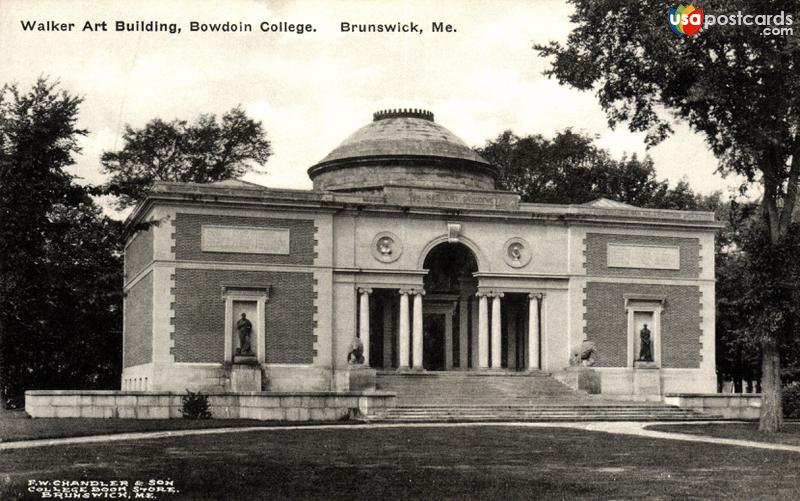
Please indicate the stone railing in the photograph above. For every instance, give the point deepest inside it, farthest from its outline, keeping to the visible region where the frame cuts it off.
(305, 406)
(727, 405)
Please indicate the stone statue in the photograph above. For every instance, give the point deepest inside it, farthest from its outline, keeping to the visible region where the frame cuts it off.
(646, 349)
(583, 355)
(244, 328)
(356, 353)
(515, 251)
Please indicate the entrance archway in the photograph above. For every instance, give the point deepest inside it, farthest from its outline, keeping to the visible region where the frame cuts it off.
(449, 302)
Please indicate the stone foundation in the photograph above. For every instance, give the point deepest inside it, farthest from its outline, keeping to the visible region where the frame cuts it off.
(245, 377)
(581, 379)
(727, 405)
(645, 383)
(309, 406)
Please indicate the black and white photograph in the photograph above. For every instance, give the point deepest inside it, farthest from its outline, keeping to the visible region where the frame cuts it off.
(352, 249)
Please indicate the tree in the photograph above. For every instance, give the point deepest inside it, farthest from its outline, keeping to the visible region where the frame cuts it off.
(205, 151)
(738, 353)
(732, 84)
(60, 270)
(571, 169)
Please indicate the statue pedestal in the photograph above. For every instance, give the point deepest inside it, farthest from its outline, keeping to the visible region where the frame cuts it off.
(245, 374)
(646, 378)
(360, 377)
(581, 378)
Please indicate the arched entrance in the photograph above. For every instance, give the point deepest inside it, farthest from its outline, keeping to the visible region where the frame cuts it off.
(450, 290)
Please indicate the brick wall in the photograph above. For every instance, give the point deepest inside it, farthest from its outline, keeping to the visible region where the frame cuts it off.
(200, 314)
(607, 323)
(188, 235)
(138, 329)
(139, 253)
(597, 259)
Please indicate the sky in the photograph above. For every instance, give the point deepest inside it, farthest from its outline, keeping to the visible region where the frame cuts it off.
(312, 90)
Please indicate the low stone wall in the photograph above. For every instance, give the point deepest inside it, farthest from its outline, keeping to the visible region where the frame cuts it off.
(727, 405)
(310, 406)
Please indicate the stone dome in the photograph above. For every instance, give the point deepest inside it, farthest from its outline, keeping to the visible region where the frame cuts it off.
(402, 147)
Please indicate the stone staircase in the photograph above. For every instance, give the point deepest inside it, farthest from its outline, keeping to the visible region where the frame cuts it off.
(508, 396)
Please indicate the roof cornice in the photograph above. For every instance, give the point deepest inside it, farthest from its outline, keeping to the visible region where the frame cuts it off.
(175, 194)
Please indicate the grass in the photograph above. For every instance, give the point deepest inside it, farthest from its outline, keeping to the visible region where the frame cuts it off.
(16, 428)
(790, 435)
(492, 462)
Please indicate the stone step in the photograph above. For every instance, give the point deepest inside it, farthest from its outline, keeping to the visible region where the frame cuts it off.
(500, 408)
(517, 414)
(534, 414)
(663, 413)
(503, 396)
(535, 409)
(485, 387)
(571, 418)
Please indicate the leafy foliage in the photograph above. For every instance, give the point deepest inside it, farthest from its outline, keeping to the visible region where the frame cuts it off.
(738, 354)
(730, 83)
(60, 261)
(571, 169)
(205, 151)
(791, 401)
(195, 406)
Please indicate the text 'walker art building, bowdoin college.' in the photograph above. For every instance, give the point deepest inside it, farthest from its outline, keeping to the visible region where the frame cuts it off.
(405, 243)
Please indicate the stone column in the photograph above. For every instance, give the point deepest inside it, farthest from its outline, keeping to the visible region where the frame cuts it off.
(533, 331)
(448, 341)
(483, 330)
(497, 328)
(417, 330)
(404, 331)
(511, 334)
(473, 333)
(363, 320)
(463, 334)
(387, 333)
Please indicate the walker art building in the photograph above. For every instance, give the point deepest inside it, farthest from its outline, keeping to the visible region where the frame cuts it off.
(405, 243)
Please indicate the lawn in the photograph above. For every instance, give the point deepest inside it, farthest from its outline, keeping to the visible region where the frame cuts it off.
(790, 435)
(487, 462)
(12, 429)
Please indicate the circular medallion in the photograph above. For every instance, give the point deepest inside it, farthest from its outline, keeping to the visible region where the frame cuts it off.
(516, 252)
(386, 247)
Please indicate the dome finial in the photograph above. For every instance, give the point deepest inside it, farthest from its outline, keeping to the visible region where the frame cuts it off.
(402, 113)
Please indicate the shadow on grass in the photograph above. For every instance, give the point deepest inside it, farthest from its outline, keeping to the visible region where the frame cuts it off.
(790, 435)
(491, 462)
(15, 428)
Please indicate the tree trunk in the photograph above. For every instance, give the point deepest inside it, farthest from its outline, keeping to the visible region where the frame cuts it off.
(2, 368)
(771, 419)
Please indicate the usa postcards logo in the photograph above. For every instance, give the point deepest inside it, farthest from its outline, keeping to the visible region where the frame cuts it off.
(686, 19)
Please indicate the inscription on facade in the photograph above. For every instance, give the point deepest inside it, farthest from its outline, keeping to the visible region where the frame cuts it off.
(244, 240)
(644, 256)
(447, 198)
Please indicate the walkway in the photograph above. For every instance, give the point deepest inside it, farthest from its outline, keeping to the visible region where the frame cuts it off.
(619, 427)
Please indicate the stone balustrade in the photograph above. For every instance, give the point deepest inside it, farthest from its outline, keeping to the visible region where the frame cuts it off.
(303, 406)
(727, 405)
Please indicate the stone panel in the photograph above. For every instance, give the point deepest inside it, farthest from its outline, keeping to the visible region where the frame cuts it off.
(188, 239)
(200, 314)
(649, 257)
(607, 323)
(138, 329)
(139, 253)
(597, 257)
(243, 240)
